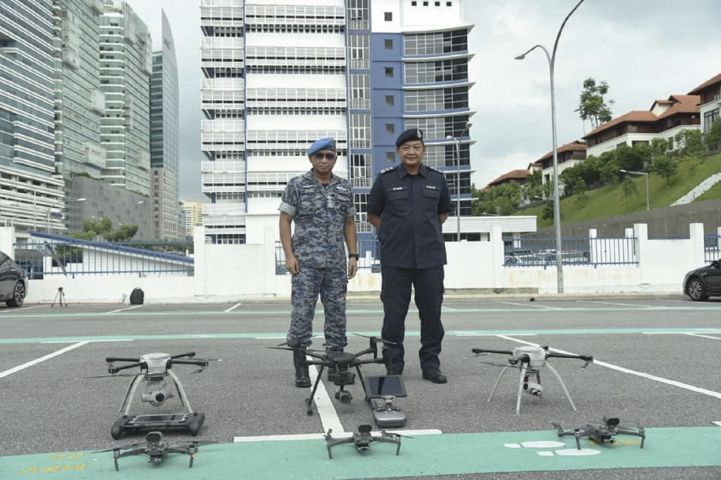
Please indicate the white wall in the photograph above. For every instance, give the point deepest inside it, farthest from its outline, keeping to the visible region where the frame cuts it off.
(236, 272)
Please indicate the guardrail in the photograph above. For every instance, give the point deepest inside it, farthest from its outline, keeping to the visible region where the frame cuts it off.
(712, 247)
(536, 251)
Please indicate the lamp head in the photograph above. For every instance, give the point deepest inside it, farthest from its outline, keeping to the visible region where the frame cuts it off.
(520, 57)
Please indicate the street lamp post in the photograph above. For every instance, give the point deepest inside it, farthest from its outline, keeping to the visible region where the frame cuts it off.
(551, 57)
(457, 141)
(648, 195)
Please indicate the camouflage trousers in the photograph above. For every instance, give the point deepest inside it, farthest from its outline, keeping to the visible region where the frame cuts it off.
(331, 284)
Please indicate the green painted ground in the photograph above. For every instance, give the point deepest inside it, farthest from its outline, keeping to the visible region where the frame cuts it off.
(420, 456)
(409, 333)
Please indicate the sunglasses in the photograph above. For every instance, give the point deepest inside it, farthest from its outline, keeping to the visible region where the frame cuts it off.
(327, 156)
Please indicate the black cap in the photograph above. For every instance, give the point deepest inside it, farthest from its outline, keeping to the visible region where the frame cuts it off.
(409, 135)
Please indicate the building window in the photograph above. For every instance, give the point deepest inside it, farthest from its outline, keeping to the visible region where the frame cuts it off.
(425, 4)
(414, 3)
(388, 71)
(390, 100)
(449, 4)
(388, 43)
(388, 16)
(437, 4)
(391, 157)
(390, 128)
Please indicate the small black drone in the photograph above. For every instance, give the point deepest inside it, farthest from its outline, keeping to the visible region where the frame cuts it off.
(362, 439)
(157, 383)
(529, 359)
(601, 433)
(155, 448)
(343, 363)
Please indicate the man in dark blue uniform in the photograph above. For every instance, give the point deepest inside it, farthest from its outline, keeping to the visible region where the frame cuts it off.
(407, 206)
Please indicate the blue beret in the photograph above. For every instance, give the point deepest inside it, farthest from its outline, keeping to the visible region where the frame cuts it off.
(409, 136)
(325, 143)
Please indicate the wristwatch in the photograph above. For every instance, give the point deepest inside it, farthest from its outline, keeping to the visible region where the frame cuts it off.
(353, 255)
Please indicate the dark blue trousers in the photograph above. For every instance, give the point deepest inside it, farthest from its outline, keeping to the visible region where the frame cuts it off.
(396, 297)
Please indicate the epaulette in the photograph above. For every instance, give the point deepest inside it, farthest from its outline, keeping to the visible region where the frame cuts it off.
(386, 170)
(433, 168)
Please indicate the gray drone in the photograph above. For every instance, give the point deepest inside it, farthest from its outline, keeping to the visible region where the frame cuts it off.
(601, 433)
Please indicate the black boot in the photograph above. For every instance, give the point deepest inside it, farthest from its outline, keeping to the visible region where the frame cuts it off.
(302, 377)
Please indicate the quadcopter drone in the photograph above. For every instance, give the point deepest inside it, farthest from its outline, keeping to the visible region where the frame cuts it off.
(602, 433)
(529, 359)
(362, 439)
(385, 388)
(155, 448)
(155, 377)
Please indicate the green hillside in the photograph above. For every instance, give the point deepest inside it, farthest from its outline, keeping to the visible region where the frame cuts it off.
(611, 201)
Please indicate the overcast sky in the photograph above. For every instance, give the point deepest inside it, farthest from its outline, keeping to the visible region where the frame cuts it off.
(644, 49)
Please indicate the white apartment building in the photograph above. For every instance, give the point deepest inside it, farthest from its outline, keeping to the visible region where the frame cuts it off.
(125, 69)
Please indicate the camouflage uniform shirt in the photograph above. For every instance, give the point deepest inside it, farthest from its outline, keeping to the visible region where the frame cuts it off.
(319, 213)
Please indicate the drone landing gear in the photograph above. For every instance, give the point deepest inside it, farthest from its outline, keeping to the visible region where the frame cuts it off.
(133, 423)
(530, 387)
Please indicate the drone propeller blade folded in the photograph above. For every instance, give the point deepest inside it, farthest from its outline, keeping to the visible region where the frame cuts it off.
(394, 434)
(377, 339)
(124, 447)
(110, 375)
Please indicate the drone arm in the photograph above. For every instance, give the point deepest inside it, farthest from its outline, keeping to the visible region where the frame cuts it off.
(638, 432)
(112, 369)
(484, 350)
(121, 359)
(130, 452)
(201, 362)
(183, 355)
(586, 358)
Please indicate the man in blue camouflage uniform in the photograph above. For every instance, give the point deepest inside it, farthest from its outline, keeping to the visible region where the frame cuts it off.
(407, 205)
(321, 205)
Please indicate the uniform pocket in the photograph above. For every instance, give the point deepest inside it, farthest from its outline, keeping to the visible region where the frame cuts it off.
(430, 199)
(399, 202)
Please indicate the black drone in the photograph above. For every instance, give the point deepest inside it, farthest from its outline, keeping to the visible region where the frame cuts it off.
(157, 383)
(342, 365)
(362, 439)
(156, 449)
(601, 433)
(529, 359)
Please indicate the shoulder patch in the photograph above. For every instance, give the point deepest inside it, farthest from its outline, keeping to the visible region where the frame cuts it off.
(386, 170)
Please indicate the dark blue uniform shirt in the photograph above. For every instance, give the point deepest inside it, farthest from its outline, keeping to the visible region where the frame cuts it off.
(409, 205)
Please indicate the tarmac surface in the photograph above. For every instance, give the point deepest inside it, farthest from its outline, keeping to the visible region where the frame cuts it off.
(656, 366)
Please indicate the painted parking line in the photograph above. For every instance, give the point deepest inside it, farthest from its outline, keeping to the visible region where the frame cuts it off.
(529, 304)
(41, 359)
(233, 307)
(618, 304)
(124, 309)
(618, 368)
(429, 455)
(328, 416)
(702, 336)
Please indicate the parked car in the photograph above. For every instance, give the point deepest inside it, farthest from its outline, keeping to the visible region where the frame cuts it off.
(703, 282)
(13, 282)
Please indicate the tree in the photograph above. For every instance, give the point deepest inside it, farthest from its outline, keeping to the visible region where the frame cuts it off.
(592, 105)
(713, 137)
(666, 167)
(103, 229)
(690, 142)
(629, 188)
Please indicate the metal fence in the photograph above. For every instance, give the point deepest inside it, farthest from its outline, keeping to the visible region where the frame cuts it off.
(369, 253)
(540, 251)
(711, 247)
(50, 255)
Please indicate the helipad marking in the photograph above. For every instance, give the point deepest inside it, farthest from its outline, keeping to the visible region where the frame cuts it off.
(40, 360)
(647, 376)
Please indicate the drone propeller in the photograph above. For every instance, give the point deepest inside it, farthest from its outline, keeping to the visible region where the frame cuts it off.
(124, 447)
(394, 434)
(109, 375)
(377, 339)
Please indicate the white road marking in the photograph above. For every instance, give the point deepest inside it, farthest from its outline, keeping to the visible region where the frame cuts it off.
(702, 336)
(617, 304)
(25, 309)
(124, 309)
(233, 307)
(529, 304)
(100, 340)
(647, 376)
(328, 416)
(41, 359)
(718, 424)
(320, 436)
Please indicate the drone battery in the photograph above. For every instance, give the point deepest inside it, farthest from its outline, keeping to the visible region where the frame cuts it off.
(389, 418)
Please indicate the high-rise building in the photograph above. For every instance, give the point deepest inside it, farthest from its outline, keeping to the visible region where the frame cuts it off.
(79, 102)
(125, 69)
(165, 138)
(193, 214)
(278, 76)
(31, 195)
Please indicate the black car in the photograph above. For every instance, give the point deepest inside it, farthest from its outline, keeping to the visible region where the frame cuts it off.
(703, 282)
(13, 282)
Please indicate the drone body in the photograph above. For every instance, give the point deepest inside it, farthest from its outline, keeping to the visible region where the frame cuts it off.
(156, 448)
(157, 383)
(530, 359)
(602, 433)
(361, 439)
